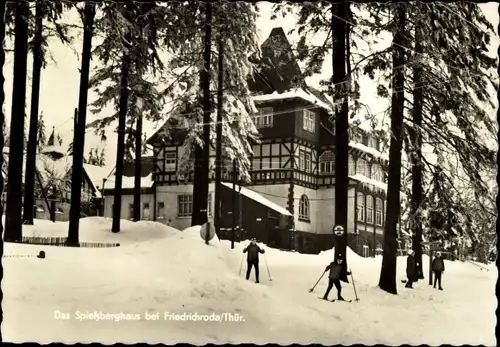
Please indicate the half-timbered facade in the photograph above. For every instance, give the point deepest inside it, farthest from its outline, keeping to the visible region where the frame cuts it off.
(294, 164)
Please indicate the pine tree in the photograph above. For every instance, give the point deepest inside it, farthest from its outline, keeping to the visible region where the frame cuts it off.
(387, 280)
(29, 183)
(236, 26)
(129, 53)
(52, 12)
(87, 16)
(202, 149)
(13, 220)
(416, 155)
(455, 87)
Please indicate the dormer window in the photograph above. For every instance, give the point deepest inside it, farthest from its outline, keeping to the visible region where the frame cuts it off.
(264, 118)
(309, 121)
(170, 161)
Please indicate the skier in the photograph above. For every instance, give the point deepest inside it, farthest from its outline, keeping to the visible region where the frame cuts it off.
(336, 269)
(438, 269)
(253, 251)
(411, 269)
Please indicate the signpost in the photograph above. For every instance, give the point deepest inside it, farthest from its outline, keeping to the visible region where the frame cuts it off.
(338, 230)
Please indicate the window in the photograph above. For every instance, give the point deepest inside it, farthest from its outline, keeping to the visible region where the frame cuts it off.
(304, 208)
(309, 121)
(378, 211)
(170, 161)
(307, 162)
(130, 211)
(145, 211)
(373, 142)
(362, 167)
(365, 139)
(161, 210)
(369, 209)
(302, 160)
(327, 163)
(360, 208)
(184, 205)
(377, 173)
(264, 118)
(352, 166)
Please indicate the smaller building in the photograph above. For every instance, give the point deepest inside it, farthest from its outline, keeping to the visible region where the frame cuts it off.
(268, 222)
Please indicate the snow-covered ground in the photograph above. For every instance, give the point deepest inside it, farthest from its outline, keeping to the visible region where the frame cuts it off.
(158, 269)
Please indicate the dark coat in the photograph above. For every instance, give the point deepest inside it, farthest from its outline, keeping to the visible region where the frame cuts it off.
(335, 270)
(411, 268)
(253, 252)
(438, 264)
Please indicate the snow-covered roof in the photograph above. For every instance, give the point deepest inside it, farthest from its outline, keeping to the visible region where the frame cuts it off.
(128, 182)
(47, 167)
(96, 175)
(294, 93)
(258, 198)
(372, 151)
(369, 181)
(53, 149)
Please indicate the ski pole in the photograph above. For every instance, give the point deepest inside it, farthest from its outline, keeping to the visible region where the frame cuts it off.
(268, 272)
(354, 286)
(311, 290)
(241, 265)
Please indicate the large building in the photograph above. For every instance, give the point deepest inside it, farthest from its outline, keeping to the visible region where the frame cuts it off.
(292, 170)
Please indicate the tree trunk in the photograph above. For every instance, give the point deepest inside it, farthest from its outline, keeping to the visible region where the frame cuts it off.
(120, 147)
(202, 154)
(387, 280)
(13, 218)
(29, 179)
(79, 136)
(137, 174)
(416, 155)
(339, 13)
(218, 144)
(2, 115)
(233, 209)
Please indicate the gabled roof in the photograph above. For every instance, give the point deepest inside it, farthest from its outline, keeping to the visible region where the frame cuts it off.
(277, 76)
(96, 175)
(277, 70)
(258, 198)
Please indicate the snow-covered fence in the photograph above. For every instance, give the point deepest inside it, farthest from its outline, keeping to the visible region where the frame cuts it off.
(61, 242)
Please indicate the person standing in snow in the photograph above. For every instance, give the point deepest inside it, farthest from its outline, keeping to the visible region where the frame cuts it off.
(253, 251)
(411, 269)
(335, 268)
(438, 269)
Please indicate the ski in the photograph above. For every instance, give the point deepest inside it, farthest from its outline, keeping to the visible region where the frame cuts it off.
(326, 299)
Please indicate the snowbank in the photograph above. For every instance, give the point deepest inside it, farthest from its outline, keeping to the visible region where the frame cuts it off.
(98, 229)
(163, 270)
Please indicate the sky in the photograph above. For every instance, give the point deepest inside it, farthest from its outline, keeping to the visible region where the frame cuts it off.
(60, 82)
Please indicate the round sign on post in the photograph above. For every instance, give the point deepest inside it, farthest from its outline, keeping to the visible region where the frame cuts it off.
(207, 231)
(338, 230)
